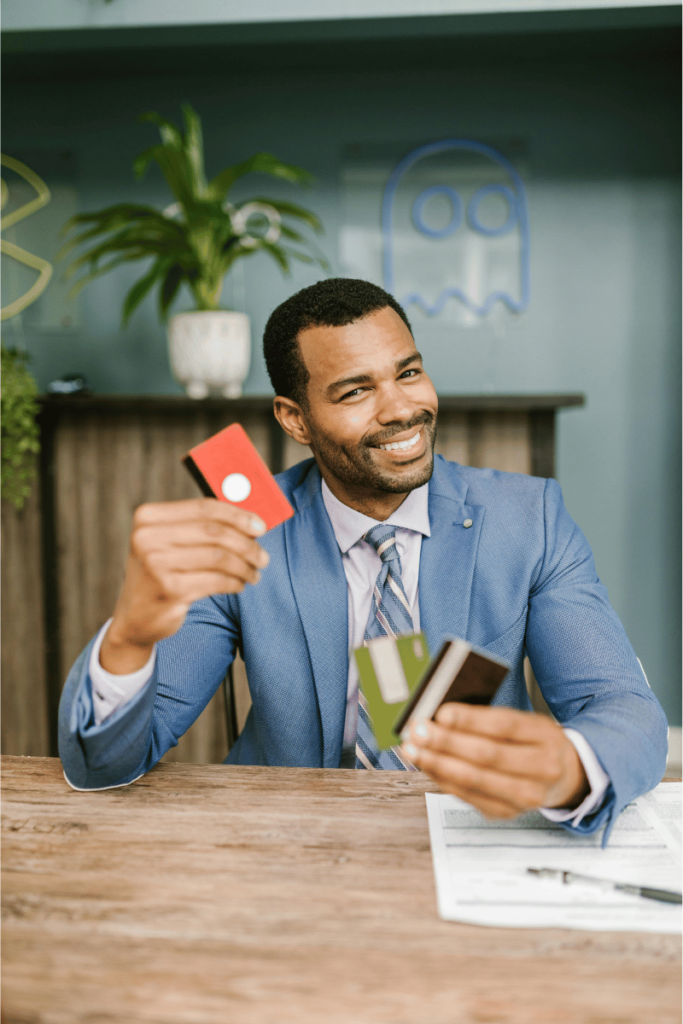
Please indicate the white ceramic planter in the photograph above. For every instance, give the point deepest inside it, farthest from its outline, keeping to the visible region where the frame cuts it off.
(209, 352)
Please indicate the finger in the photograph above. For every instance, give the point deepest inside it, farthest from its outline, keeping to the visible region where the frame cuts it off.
(491, 807)
(502, 723)
(201, 559)
(189, 587)
(202, 509)
(198, 534)
(520, 794)
(532, 760)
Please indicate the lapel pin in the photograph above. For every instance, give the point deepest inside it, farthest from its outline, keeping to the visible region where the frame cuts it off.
(467, 523)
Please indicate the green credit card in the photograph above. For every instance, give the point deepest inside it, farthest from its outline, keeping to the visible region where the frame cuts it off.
(390, 669)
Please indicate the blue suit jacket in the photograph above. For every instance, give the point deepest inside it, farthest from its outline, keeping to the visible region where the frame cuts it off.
(520, 579)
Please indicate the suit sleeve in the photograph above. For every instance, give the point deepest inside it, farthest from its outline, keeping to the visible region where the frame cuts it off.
(189, 668)
(586, 668)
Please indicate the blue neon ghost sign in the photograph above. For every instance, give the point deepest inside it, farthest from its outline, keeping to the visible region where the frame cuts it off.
(512, 193)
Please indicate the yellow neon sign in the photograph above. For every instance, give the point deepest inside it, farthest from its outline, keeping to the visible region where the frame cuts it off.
(9, 248)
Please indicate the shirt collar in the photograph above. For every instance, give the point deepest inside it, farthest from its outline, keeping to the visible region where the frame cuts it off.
(349, 525)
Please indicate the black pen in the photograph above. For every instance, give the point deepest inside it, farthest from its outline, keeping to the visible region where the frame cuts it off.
(567, 877)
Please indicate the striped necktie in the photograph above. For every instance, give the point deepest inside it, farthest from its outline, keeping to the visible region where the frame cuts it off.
(389, 616)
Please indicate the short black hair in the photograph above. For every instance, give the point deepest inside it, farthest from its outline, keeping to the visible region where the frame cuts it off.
(335, 302)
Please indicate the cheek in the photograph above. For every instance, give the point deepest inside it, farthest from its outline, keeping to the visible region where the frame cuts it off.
(430, 393)
(349, 425)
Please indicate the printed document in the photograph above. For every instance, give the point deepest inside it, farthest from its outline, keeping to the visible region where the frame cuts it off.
(481, 866)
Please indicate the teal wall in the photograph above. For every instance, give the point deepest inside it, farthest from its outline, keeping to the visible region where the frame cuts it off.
(600, 139)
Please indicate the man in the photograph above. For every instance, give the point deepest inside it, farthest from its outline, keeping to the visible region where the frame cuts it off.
(385, 538)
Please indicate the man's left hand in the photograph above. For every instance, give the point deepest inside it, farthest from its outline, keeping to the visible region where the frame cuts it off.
(502, 761)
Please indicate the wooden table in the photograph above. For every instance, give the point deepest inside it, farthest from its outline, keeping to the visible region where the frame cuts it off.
(205, 894)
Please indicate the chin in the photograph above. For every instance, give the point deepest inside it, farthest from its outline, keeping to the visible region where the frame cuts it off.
(401, 483)
(356, 468)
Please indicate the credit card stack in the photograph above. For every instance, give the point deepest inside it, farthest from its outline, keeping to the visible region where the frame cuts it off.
(402, 686)
(457, 674)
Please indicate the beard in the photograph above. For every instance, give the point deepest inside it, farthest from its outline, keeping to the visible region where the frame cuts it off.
(355, 465)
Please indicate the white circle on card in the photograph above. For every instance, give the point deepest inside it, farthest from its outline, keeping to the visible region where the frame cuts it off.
(236, 487)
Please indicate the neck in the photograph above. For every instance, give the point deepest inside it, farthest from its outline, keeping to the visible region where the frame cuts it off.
(377, 504)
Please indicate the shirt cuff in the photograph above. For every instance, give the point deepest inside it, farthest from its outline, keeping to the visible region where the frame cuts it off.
(109, 691)
(598, 780)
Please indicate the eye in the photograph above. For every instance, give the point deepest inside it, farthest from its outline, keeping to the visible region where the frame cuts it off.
(414, 371)
(352, 394)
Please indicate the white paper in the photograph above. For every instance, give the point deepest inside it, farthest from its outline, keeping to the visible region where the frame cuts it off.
(481, 875)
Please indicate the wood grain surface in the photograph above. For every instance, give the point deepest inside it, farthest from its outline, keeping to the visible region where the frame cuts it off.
(215, 895)
(24, 687)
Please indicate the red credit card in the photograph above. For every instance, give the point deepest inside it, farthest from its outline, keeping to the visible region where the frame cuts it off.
(228, 467)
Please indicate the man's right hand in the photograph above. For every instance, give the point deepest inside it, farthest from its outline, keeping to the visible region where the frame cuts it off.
(180, 551)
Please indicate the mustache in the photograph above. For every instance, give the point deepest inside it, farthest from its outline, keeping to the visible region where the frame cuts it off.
(423, 419)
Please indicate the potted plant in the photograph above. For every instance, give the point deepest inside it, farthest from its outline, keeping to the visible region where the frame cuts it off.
(20, 432)
(195, 241)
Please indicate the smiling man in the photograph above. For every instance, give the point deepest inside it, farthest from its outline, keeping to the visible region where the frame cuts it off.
(367, 409)
(387, 538)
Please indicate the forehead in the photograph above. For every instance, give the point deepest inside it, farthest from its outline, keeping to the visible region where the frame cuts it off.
(371, 345)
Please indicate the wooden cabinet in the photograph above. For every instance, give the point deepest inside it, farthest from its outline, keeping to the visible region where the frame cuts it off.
(64, 553)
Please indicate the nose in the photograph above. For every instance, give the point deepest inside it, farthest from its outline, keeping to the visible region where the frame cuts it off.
(395, 406)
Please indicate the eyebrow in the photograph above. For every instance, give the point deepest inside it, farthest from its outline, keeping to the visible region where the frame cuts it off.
(367, 378)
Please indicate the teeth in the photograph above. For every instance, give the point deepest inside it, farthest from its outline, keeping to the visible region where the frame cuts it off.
(410, 443)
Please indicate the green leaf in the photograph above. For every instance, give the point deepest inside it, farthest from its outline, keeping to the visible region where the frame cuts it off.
(291, 234)
(292, 210)
(170, 135)
(143, 160)
(264, 163)
(97, 272)
(194, 148)
(230, 243)
(234, 253)
(180, 159)
(138, 292)
(111, 216)
(131, 248)
(20, 433)
(175, 169)
(146, 222)
(303, 257)
(169, 288)
(278, 254)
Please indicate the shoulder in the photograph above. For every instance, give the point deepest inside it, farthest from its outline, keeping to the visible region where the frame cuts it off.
(515, 504)
(525, 521)
(291, 479)
(491, 487)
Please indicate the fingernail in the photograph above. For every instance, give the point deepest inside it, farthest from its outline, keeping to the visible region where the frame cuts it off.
(421, 730)
(257, 576)
(410, 751)
(257, 526)
(264, 559)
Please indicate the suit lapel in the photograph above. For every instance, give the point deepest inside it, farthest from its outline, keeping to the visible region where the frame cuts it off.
(447, 558)
(319, 584)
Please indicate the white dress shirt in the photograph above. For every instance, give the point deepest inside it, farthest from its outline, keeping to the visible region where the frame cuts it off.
(362, 565)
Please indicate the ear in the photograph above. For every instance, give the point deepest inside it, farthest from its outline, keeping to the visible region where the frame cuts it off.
(291, 418)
